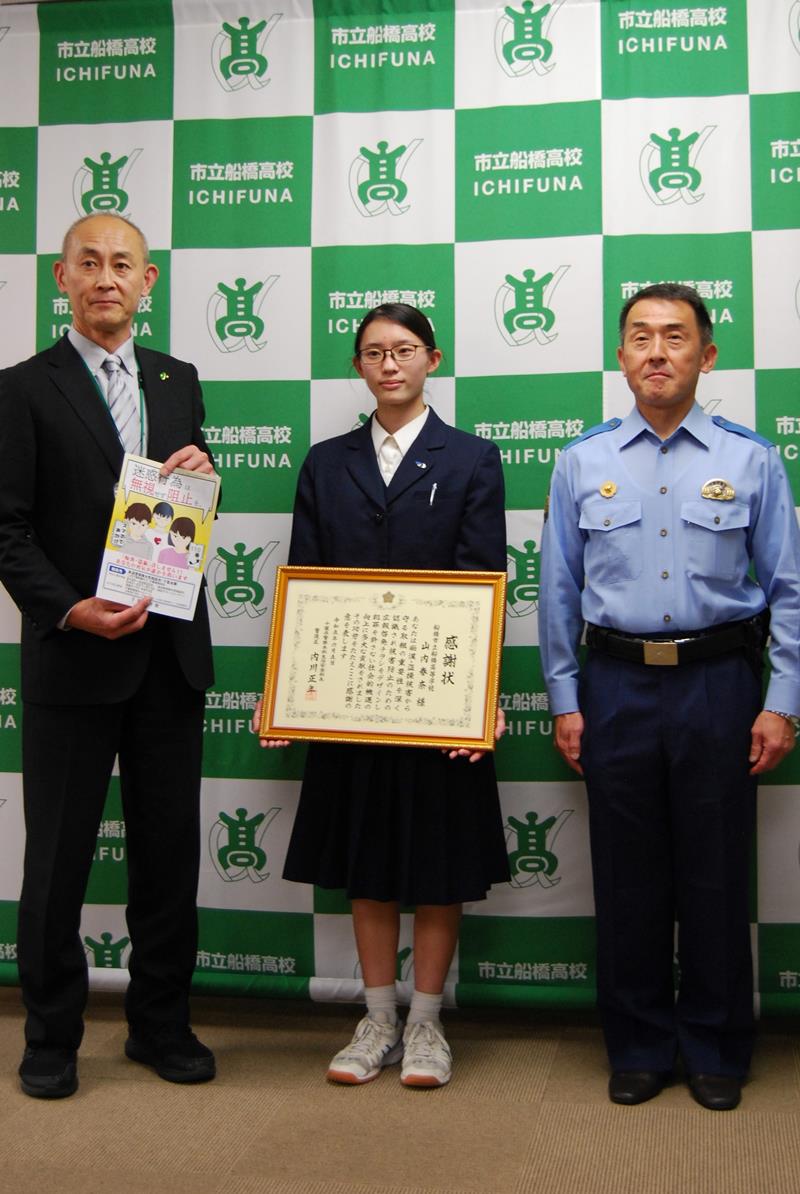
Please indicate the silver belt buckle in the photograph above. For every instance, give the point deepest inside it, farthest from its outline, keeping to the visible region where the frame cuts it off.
(661, 654)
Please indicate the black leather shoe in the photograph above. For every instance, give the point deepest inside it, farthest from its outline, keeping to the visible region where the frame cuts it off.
(175, 1055)
(635, 1086)
(717, 1092)
(48, 1073)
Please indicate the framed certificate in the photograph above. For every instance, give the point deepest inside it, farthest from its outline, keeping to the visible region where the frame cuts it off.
(381, 655)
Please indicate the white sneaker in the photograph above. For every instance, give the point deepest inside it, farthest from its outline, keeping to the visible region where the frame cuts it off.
(427, 1060)
(374, 1045)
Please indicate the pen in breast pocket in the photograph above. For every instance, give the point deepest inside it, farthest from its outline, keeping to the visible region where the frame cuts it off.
(433, 493)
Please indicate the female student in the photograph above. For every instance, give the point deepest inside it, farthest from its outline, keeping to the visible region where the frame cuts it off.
(397, 825)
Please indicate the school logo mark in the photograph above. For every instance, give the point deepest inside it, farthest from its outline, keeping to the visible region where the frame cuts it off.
(530, 849)
(668, 166)
(521, 41)
(106, 953)
(237, 54)
(376, 178)
(235, 845)
(99, 187)
(522, 307)
(522, 590)
(794, 25)
(233, 315)
(235, 580)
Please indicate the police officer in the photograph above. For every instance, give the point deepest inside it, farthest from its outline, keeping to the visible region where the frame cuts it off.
(654, 522)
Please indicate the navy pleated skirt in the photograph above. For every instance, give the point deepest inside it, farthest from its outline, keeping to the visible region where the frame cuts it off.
(398, 823)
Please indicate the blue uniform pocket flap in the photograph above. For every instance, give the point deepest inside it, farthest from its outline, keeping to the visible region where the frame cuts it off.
(608, 516)
(716, 516)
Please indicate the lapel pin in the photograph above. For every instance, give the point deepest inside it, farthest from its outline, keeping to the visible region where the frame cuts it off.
(420, 464)
(164, 376)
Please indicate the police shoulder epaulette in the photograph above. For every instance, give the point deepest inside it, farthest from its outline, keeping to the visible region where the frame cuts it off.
(740, 429)
(609, 425)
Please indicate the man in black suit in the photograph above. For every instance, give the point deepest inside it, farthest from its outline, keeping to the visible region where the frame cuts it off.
(99, 680)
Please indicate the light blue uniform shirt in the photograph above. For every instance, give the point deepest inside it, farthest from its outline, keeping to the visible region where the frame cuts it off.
(657, 557)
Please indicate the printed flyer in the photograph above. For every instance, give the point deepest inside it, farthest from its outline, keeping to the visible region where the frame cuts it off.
(158, 538)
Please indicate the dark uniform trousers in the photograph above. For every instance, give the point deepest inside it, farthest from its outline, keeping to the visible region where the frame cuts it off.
(672, 808)
(68, 756)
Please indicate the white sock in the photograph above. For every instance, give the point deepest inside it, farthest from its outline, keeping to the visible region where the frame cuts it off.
(382, 1003)
(424, 1007)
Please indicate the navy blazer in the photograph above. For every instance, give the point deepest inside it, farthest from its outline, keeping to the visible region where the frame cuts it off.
(60, 457)
(444, 508)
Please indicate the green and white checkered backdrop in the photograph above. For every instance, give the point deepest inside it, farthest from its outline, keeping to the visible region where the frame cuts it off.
(515, 171)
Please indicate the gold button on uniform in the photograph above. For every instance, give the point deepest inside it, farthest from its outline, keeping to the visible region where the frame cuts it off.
(667, 617)
(663, 489)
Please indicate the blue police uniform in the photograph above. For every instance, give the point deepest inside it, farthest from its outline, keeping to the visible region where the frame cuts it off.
(684, 542)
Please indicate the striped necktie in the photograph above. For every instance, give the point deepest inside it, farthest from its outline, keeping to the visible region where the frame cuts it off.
(122, 404)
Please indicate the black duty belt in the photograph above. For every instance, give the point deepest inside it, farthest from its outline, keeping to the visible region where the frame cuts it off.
(688, 647)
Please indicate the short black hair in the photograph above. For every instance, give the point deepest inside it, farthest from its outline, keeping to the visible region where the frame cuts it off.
(674, 292)
(401, 313)
(164, 509)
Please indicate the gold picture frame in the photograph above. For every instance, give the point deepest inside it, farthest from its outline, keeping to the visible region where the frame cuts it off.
(391, 656)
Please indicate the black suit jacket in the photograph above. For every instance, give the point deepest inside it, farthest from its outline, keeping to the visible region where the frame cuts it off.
(60, 457)
(444, 508)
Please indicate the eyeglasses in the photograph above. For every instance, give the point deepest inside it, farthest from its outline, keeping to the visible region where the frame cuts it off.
(400, 352)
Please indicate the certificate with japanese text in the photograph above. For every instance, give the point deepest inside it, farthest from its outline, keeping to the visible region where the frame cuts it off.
(383, 655)
(158, 537)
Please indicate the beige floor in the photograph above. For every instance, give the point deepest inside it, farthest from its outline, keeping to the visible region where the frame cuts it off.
(525, 1113)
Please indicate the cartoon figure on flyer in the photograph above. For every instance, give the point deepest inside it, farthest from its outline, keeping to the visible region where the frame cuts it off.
(180, 540)
(163, 514)
(137, 520)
